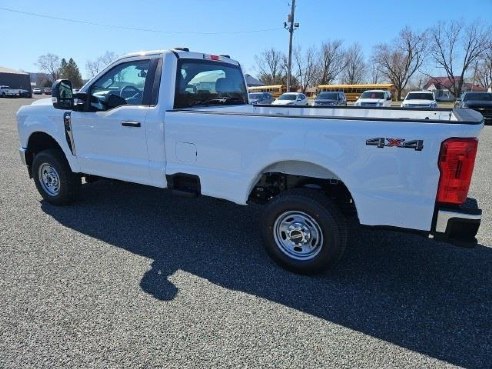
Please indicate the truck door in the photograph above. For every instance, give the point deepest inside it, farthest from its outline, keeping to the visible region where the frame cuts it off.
(109, 132)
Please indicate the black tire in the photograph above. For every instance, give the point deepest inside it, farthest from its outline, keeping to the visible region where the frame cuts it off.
(60, 185)
(309, 216)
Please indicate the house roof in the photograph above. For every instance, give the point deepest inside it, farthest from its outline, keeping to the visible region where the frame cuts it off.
(10, 71)
(472, 87)
(252, 81)
(441, 82)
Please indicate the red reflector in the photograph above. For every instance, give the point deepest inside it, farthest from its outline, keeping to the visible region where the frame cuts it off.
(456, 162)
(214, 57)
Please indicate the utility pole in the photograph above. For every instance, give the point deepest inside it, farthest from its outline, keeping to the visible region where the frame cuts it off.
(290, 26)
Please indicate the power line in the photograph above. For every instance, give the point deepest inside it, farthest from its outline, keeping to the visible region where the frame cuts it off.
(132, 28)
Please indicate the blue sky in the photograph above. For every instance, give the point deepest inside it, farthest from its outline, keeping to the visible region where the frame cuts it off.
(241, 29)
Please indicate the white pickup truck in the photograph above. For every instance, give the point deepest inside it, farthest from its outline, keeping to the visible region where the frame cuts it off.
(181, 120)
(6, 91)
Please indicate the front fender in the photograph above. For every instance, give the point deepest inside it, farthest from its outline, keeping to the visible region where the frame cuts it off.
(43, 118)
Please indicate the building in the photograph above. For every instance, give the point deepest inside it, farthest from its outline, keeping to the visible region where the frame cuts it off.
(252, 81)
(15, 79)
(441, 86)
(40, 79)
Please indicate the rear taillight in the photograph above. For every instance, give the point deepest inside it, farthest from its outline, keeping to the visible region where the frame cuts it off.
(456, 162)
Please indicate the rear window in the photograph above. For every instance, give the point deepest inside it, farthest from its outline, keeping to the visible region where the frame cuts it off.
(328, 95)
(202, 82)
(288, 97)
(257, 95)
(478, 97)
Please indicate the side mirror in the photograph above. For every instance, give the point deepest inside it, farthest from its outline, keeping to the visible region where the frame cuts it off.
(62, 95)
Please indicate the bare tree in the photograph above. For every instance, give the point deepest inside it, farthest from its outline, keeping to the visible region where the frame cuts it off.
(355, 68)
(95, 66)
(456, 47)
(399, 60)
(50, 64)
(271, 66)
(306, 68)
(375, 74)
(483, 69)
(417, 81)
(332, 61)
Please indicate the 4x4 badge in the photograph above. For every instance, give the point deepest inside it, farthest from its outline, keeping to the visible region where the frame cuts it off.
(382, 142)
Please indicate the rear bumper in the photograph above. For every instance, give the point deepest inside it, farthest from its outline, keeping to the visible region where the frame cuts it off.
(459, 224)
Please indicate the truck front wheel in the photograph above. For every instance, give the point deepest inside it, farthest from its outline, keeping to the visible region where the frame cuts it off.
(53, 177)
(304, 231)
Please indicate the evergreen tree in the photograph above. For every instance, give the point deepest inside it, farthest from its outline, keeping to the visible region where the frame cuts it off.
(63, 66)
(71, 72)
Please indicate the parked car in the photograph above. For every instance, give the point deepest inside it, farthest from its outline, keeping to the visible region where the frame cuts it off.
(25, 93)
(37, 91)
(6, 91)
(419, 99)
(330, 98)
(47, 90)
(479, 101)
(374, 98)
(291, 98)
(260, 98)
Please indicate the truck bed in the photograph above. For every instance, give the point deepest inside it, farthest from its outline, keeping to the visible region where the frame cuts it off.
(378, 153)
(457, 116)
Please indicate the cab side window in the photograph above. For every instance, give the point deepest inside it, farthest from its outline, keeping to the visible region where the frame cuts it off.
(122, 85)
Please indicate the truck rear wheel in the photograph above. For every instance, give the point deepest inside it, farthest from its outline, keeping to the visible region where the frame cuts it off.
(53, 177)
(304, 231)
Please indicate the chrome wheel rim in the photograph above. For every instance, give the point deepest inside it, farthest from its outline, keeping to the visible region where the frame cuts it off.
(298, 235)
(49, 179)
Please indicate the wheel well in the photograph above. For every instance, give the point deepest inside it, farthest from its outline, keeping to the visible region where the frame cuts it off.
(271, 184)
(38, 142)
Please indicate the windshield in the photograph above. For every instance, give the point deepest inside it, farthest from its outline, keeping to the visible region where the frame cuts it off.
(208, 83)
(478, 96)
(372, 95)
(328, 95)
(420, 96)
(287, 97)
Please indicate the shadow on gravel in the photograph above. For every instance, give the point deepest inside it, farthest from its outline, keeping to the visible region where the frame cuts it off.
(429, 297)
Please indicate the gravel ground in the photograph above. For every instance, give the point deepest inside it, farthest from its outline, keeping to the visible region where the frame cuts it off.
(132, 277)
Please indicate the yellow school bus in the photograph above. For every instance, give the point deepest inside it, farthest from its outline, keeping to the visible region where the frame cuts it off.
(275, 90)
(352, 92)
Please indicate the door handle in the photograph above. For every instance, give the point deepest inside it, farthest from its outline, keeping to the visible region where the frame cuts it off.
(130, 123)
